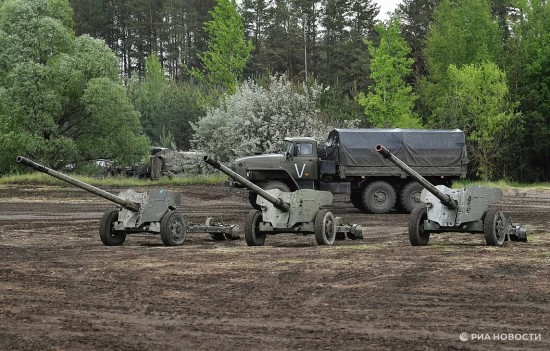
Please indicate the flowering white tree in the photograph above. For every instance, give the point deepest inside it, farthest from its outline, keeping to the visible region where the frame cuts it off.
(256, 119)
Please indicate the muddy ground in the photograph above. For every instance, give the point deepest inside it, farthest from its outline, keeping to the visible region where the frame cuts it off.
(61, 289)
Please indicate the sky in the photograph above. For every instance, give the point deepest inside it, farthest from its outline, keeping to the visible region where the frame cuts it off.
(385, 6)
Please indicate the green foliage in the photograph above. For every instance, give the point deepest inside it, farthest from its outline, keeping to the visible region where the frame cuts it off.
(167, 108)
(390, 101)
(528, 66)
(60, 97)
(228, 52)
(479, 105)
(463, 32)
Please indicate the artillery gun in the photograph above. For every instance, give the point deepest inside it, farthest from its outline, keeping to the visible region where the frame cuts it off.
(467, 210)
(150, 212)
(284, 212)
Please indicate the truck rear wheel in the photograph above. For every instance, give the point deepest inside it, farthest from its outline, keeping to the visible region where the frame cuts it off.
(379, 197)
(270, 184)
(410, 196)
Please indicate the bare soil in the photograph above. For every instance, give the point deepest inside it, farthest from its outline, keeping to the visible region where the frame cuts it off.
(61, 289)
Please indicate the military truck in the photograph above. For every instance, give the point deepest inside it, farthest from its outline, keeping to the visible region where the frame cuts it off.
(349, 164)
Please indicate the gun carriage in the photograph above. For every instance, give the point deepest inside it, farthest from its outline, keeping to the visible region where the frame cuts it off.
(472, 209)
(153, 211)
(290, 212)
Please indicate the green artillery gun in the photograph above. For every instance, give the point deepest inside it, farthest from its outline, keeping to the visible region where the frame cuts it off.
(285, 212)
(467, 210)
(150, 212)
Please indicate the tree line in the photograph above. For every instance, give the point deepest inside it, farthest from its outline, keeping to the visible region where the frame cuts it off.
(478, 65)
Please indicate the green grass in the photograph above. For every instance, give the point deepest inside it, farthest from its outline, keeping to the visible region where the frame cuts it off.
(44, 179)
(38, 178)
(503, 184)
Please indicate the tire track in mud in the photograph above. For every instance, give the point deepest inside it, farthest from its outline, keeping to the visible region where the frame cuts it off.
(60, 288)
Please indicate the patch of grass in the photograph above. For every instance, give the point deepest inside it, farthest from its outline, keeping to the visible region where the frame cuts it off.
(503, 184)
(38, 178)
(356, 247)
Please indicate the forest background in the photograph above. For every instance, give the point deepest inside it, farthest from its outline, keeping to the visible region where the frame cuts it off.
(83, 79)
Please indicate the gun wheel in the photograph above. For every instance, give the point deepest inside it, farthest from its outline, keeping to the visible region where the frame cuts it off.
(325, 230)
(107, 234)
(173, 229)
(252, 233)
(494, 227)
(417, 235)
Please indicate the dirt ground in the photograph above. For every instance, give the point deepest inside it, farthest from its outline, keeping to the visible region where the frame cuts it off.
(61, 289)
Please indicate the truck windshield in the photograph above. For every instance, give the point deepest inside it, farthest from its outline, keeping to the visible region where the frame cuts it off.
(288, 147)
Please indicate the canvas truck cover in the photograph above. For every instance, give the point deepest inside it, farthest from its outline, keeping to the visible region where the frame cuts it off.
(415, 147)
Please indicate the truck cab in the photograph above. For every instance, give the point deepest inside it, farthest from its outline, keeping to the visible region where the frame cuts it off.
(301, 160)
(295, 165)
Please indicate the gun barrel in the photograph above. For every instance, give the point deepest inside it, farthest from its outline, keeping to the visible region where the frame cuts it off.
(130, 205)
(278, 203)
(444, 198)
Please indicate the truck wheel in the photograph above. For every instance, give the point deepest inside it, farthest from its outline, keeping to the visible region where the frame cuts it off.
(325, 231)
(379, 197)
(494, 227)
(417, 235)
(252, 196)
(270, 184)
(252, 233)
(356, 199)
(173, 229)
(410, 196)
(107, 234)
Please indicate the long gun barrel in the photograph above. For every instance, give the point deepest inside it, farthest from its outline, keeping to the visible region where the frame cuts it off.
(444, 198)
(278, 203)
(130, 205)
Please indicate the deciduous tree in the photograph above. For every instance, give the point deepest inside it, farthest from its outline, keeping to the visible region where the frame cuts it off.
(390, 99)
(227, 52)
(61, 99)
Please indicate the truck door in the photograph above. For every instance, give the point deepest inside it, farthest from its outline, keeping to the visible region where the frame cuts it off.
(303, 165)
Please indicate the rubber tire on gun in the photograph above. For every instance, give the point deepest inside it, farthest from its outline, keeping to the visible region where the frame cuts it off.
(494, 227)
(325, 230)
(252, 234)
(417, 235)
(107, 234)
(173, 229)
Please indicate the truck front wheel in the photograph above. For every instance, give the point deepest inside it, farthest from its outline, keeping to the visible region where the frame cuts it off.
(270, 184)
(379, 197)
